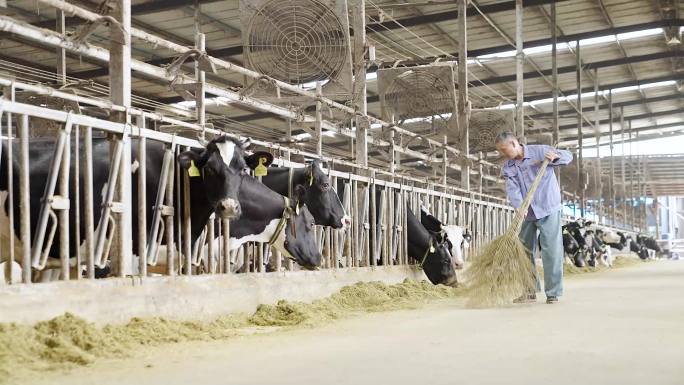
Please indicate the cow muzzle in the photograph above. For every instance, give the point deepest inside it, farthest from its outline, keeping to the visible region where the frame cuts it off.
(452, 281)
(229, 209)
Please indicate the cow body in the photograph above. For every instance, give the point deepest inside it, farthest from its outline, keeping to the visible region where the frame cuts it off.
(222, 160)
(425, 248)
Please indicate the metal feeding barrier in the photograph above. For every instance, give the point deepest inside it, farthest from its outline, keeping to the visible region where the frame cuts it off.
(376, 204)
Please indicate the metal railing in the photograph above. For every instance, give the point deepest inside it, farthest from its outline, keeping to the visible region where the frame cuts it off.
(103, 243)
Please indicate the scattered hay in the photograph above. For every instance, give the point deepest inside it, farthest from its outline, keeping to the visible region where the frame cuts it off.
(359, 298)
(500, 273)
(67, 341)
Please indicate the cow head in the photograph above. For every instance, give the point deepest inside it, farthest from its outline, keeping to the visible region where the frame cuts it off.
(300, 242)
(429, 248)
(221, 166)
(322, 199)
(451, 235)
(438, 265)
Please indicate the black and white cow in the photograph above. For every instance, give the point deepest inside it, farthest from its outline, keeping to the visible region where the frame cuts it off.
(319, 196)
(221, 162)
(433, 256)
(214, 187)
(602, 252)
(452, 235)
(638, 248)
(574, 243)
(572, 249)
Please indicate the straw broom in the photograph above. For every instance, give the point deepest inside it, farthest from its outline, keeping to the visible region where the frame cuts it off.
(502, 270)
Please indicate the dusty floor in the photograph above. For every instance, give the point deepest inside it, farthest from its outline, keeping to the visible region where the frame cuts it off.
(619, 327)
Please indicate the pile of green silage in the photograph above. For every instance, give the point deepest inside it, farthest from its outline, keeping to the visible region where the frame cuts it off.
(68, 340)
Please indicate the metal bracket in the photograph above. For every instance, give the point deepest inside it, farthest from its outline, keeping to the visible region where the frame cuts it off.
(117, 33)
(203, 61)
(60, 203)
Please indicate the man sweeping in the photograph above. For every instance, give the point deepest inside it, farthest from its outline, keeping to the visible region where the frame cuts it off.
(544, 214)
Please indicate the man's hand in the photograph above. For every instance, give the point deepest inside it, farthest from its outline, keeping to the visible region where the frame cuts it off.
(551, 156)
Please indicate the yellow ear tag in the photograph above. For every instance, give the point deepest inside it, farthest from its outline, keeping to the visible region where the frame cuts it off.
(193, 170)
(261, 170)
(432, 249)
(311, 180)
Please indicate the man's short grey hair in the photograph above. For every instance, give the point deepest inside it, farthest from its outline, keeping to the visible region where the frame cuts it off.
(505, 137)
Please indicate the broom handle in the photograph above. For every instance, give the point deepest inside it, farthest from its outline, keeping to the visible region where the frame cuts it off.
(522, 211)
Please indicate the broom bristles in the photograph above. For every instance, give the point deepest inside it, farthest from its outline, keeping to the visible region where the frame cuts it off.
(500, 273)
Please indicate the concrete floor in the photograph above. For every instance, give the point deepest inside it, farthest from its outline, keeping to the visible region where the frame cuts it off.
(619, 327)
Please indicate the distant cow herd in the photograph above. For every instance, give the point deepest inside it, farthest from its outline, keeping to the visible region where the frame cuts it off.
(585, 244)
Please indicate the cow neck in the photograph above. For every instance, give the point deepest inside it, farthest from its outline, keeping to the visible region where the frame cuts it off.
(279, 180)
(419, 234)
(259, 201)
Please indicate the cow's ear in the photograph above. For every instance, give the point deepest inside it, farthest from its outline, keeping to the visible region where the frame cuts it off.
(263, 157)
(245, 143)
(186, 159)
(588, 223)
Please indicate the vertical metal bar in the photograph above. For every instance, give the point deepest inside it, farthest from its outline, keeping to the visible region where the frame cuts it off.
(60, 26)
(611, 181)
(211, 261)
(63, 215)
(187, 225)
(88, 204)
(359, 92)
(7, 273)
(463, 107)
(632, 176)
(8, 94)
(168, 220)
(178, 214)
(319, 120)
(225, 228)
(622, 166)
(597, 133)
(120, 93)
(77, 198)
(373, 220)
(581, 183)
(519, 70)
(142, 200)
(24, 198)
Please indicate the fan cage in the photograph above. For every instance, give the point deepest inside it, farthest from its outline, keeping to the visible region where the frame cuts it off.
(296, 41)
(418, 93)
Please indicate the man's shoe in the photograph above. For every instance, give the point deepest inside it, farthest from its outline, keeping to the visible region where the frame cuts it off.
(551, 299)
(526, 298)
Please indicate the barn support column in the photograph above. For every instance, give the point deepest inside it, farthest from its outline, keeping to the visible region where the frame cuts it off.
(623, 190)
(656, 212)
(611, 180)
(61, 52)
(631, 177)
(597, 134)
(360, 102)
(120, 93)
(554, 79)
(581, 183)
(519, 69)
(463, 107)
